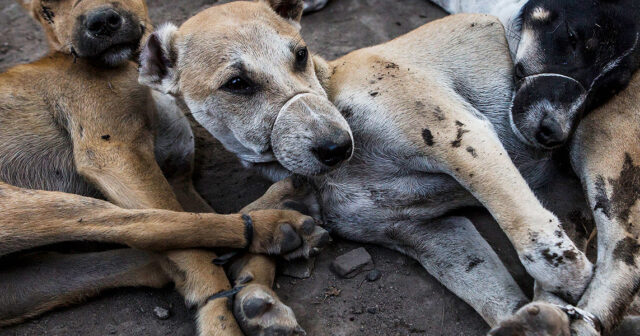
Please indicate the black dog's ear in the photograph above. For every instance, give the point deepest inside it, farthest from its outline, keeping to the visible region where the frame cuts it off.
(288, 9)
(157, 60)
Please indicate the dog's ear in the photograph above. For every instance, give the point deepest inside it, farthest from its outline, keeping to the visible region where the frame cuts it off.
(323, 71)
(158, 60)
(288, 9)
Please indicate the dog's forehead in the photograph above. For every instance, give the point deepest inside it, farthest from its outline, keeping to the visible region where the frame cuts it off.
(237, 32)
(235, 15)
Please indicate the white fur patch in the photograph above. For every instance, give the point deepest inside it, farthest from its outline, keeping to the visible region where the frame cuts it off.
(541, 14)
(167, 84)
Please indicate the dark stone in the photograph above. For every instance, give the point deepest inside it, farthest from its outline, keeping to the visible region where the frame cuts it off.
(352, 263)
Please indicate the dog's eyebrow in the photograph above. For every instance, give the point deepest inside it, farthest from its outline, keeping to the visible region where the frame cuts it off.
(294, 45)
(239, 66)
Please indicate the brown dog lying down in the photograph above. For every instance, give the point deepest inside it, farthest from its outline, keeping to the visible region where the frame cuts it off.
(76, 126)
(424, 122)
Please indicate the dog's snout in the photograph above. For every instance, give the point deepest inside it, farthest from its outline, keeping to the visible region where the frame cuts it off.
(550, 133)
(331, 153)
(104, 22)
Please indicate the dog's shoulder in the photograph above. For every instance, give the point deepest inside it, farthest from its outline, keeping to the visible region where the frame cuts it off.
(62, 87)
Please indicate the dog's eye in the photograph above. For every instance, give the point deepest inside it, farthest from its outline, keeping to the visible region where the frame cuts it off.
(302, 55)
(239, 85)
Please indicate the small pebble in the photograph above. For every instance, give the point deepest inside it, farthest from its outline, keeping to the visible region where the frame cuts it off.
(374, 275)
(161, 313)
(372, 310)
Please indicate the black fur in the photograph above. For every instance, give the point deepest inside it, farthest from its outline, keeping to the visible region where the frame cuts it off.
(582, 39)
(102, 48)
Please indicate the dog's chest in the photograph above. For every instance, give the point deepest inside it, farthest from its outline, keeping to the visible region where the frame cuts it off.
(377, 185)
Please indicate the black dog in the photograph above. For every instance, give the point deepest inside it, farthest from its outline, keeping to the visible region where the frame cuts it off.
(570, 57)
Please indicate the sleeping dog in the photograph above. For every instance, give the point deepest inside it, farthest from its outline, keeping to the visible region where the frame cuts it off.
(571, 57)
(88, 154)
(424, 138)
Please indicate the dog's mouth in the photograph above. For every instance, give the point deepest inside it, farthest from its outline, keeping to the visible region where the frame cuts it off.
(109, 47)
(118, 53)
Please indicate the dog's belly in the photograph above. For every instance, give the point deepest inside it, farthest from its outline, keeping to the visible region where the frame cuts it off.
(359, 198)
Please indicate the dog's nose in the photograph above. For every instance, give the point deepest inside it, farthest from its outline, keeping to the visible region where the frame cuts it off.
(550, 133)
(331, 153)
(104, 22)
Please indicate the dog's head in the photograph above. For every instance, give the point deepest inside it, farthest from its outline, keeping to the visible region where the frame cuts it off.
(247, 76)
(105, 32)
(572, 56)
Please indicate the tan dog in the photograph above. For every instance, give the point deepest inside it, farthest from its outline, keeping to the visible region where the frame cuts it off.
(77, 122)
(428, 113)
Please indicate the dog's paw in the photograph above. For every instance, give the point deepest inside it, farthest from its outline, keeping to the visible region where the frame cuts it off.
(535, 319)
(260, 312)
(311, 245)
(287, 233)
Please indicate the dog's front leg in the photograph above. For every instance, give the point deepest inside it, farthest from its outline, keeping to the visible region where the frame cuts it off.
(606, 156)
(125, 171)
(464, 144)
(123, 167)
(257, 307)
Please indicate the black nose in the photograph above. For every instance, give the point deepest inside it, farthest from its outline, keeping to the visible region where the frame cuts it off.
(550, 132)
(104, 22)
(331, 153)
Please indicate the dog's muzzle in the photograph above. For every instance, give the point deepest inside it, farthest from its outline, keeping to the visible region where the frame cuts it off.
(310, 136)
(546, 108)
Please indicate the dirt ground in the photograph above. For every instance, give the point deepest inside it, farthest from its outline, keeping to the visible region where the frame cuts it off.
(405, 301)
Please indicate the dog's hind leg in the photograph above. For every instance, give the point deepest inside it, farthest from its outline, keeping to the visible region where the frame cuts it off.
(33, 284)
(454, 252)
(606, 155)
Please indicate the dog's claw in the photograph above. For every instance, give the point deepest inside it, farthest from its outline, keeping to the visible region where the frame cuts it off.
(312, 244)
